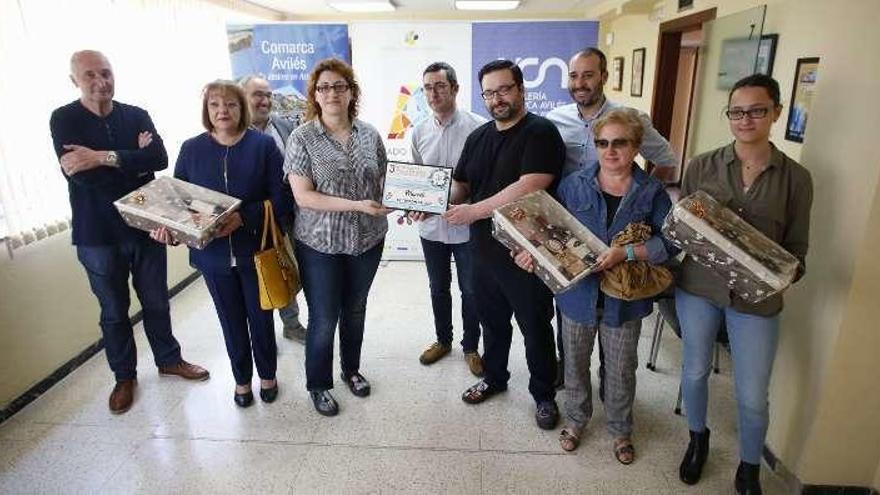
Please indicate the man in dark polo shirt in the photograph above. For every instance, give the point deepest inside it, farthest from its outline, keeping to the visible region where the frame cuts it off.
(106, 150)
(513, 155)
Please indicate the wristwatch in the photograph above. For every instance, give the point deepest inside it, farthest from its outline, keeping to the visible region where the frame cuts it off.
(112, 159)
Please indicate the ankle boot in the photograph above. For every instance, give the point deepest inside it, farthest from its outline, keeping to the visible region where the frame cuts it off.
(748, 479)
(692, 465)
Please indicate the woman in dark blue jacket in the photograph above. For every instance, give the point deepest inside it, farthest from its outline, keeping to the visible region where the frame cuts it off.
(606, 197)
(246, 164)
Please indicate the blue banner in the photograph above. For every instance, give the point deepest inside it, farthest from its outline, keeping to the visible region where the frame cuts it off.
(285, 54)
(541, 49)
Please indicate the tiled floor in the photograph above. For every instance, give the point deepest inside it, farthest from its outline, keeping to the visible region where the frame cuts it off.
(412, 435)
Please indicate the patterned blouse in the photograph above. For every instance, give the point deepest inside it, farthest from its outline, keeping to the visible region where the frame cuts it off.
(355, 171)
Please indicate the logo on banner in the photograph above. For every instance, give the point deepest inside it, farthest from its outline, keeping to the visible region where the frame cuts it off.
(411, 109)
(411, 38)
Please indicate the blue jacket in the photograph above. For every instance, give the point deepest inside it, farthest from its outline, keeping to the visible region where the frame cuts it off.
(92, 193)
(646, 201)
(253, 174)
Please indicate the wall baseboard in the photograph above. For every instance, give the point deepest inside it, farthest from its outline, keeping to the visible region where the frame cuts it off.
(65, 369)
(794, 485)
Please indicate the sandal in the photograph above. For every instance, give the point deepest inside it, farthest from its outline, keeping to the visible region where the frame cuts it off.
(624, 451)
(479, 392)
(569, 438)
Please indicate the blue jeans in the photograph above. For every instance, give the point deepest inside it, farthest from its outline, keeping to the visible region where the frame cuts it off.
(437, 260)
(248, 329)
(753, 341)
(108, 268)
(336, 288)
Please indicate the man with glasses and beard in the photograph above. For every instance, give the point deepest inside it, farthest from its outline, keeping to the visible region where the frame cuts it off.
(513, 155)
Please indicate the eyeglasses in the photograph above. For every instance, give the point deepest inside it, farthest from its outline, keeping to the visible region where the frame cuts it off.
(501, 91)
(753, 113)
(439, 87)
(262, 94)
(339, 87)
(617, 144)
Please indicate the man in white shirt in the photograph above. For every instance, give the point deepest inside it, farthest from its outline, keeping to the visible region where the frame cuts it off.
(439, 141)
(587, 75)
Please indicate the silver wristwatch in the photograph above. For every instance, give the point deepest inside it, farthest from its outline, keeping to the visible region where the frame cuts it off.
(112, 159)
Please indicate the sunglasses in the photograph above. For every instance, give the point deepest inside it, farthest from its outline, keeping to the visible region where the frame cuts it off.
(617, 144)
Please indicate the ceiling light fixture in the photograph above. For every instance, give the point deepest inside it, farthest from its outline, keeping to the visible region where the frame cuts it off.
(486, 4)
(361, 6)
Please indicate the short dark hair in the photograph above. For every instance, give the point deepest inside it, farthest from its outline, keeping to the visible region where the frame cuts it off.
(758, 81)
(502, 64)
(450, 72)
(592, 50)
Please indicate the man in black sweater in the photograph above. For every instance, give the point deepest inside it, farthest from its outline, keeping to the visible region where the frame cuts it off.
(106, 150)
(513, 155)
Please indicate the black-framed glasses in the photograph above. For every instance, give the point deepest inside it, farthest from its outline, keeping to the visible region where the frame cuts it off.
(440, 87)
(338, 88)
(501, 91)
(618, 143)
(753, 113)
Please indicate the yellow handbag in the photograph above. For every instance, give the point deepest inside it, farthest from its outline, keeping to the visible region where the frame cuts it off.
(277, 273)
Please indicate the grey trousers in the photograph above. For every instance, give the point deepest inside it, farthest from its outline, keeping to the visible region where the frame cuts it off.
(621, 360)
(290, 313)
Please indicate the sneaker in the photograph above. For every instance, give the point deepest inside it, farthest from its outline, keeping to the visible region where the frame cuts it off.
(475, 363)
(296, 333)
(547, 415)
(434, 353)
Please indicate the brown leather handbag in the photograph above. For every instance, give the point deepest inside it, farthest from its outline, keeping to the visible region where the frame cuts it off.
(635, 280)
(277, 273)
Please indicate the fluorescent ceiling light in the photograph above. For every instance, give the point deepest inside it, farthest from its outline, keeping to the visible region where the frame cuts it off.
(359, 6)
(486, 4)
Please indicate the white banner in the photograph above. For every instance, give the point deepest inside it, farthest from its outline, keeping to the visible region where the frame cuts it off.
(388, 59)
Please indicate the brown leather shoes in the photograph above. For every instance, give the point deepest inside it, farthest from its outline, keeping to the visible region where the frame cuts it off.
(185, 370)
(122, 396)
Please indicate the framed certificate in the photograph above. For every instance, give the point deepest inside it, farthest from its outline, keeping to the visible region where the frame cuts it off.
(415, 187)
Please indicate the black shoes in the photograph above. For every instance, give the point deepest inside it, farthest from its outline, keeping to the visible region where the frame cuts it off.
(748, 479)
(547, 415)
(324, 403)
(692, 465)
(268, 395)
(358, 385)
(244, 400)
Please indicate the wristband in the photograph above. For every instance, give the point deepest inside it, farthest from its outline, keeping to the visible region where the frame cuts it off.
(630, 252)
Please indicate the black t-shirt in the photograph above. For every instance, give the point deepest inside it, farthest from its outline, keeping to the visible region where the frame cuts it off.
(492, 160)
(612, 203)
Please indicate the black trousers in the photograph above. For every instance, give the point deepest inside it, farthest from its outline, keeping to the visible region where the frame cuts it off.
(503, 290)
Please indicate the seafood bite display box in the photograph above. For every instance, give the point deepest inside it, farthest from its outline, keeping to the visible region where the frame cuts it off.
(191, 213)
(564, 250)
(753, 266)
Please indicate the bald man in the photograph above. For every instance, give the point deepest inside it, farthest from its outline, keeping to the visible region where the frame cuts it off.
(106, 150)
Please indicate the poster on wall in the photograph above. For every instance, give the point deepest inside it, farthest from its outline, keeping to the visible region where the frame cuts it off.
(805, 76)
(392, 98)
(542, 51)
(285, 54)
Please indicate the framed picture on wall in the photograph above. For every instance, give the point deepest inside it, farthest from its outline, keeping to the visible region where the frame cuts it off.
(617, 74)
(638, 72)
(805, 77)
(766, 54)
